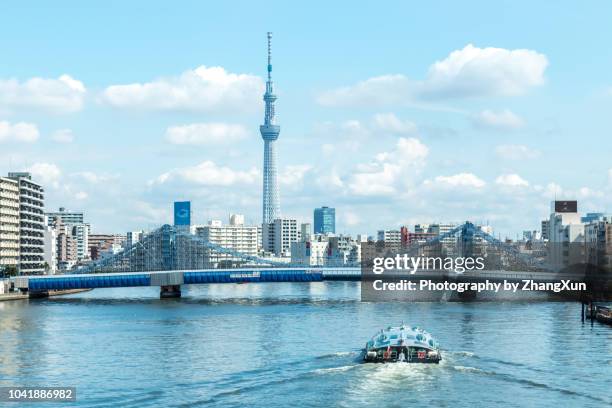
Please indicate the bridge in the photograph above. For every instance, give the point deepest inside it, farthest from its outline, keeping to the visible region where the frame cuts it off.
(170, 257)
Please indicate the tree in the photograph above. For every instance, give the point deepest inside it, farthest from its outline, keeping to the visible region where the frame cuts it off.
(10, 270)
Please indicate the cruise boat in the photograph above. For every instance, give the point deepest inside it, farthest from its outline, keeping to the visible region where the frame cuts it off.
(402, 344)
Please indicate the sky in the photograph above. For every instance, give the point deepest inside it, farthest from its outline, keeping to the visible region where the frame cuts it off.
(394, 113)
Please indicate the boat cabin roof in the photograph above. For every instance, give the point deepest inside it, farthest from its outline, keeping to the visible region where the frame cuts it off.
(403, 336)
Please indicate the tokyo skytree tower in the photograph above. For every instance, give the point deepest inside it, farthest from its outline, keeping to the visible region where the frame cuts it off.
(269, 133)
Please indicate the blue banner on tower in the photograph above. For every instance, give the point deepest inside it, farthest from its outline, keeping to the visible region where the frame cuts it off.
(182, 213)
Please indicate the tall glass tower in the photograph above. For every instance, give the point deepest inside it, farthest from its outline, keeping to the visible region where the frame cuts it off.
(269, 133)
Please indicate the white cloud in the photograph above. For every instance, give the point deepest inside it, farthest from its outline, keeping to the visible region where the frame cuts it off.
(464, 73)
(63, 136)
(294, 175)
(473, 72)
(501, 120)
(46, 174)
(511, 180)
(350, 219)
(388, 122)
(327, 149)
(329, 180)
(62, 95)
(94, 178)
(208, 173)
(18, 132)
(553, 190)
(460, 180)
(81, 195)
(205, 133)
(381, 176)
(381, 90)
(202, 89)
(516, 152)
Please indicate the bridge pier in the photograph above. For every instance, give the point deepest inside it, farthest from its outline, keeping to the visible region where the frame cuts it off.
(170, 291)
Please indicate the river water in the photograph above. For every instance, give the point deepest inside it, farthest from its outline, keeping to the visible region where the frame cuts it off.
(280, 345)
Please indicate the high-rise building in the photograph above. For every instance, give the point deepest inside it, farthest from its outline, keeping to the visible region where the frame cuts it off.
(305, 231)
(9, 223)
(66, 250)
(325, 220)
(31, 224)
(269, 133)
(67, 217)
(81, 233)
(278, 236)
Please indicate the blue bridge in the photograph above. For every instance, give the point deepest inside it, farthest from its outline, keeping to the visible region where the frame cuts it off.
(170, 257)
(170, 281)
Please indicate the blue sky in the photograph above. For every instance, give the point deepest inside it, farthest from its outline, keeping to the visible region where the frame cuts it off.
(394, 113)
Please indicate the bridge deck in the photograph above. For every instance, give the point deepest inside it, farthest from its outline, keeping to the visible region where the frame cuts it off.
(158, 278)
(188, 277)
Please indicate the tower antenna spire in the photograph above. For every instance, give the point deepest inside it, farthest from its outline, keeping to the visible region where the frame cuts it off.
(269, 55)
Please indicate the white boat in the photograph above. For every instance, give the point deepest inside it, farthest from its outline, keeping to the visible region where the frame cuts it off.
(402, 344)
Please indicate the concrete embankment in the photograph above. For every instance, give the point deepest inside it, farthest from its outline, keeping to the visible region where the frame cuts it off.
(21, 296)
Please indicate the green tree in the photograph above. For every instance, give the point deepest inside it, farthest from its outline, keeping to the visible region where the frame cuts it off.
(10, 270)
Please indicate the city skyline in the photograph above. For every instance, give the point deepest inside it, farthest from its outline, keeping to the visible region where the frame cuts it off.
(389, 127)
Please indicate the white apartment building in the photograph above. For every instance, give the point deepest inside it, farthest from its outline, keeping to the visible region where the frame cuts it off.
(566, 234)
(32, 224)
(278, 236)
(310, 253)
(81, 233)
(390, 237)
(9, 223)
(236, 236)
(50, 250)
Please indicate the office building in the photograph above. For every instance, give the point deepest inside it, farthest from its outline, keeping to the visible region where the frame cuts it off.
(31, 224)
(278, 236)
(325, 220)
(9, 223)
(67, 217)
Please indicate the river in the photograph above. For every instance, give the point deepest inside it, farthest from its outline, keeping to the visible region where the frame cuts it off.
(297, 344)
